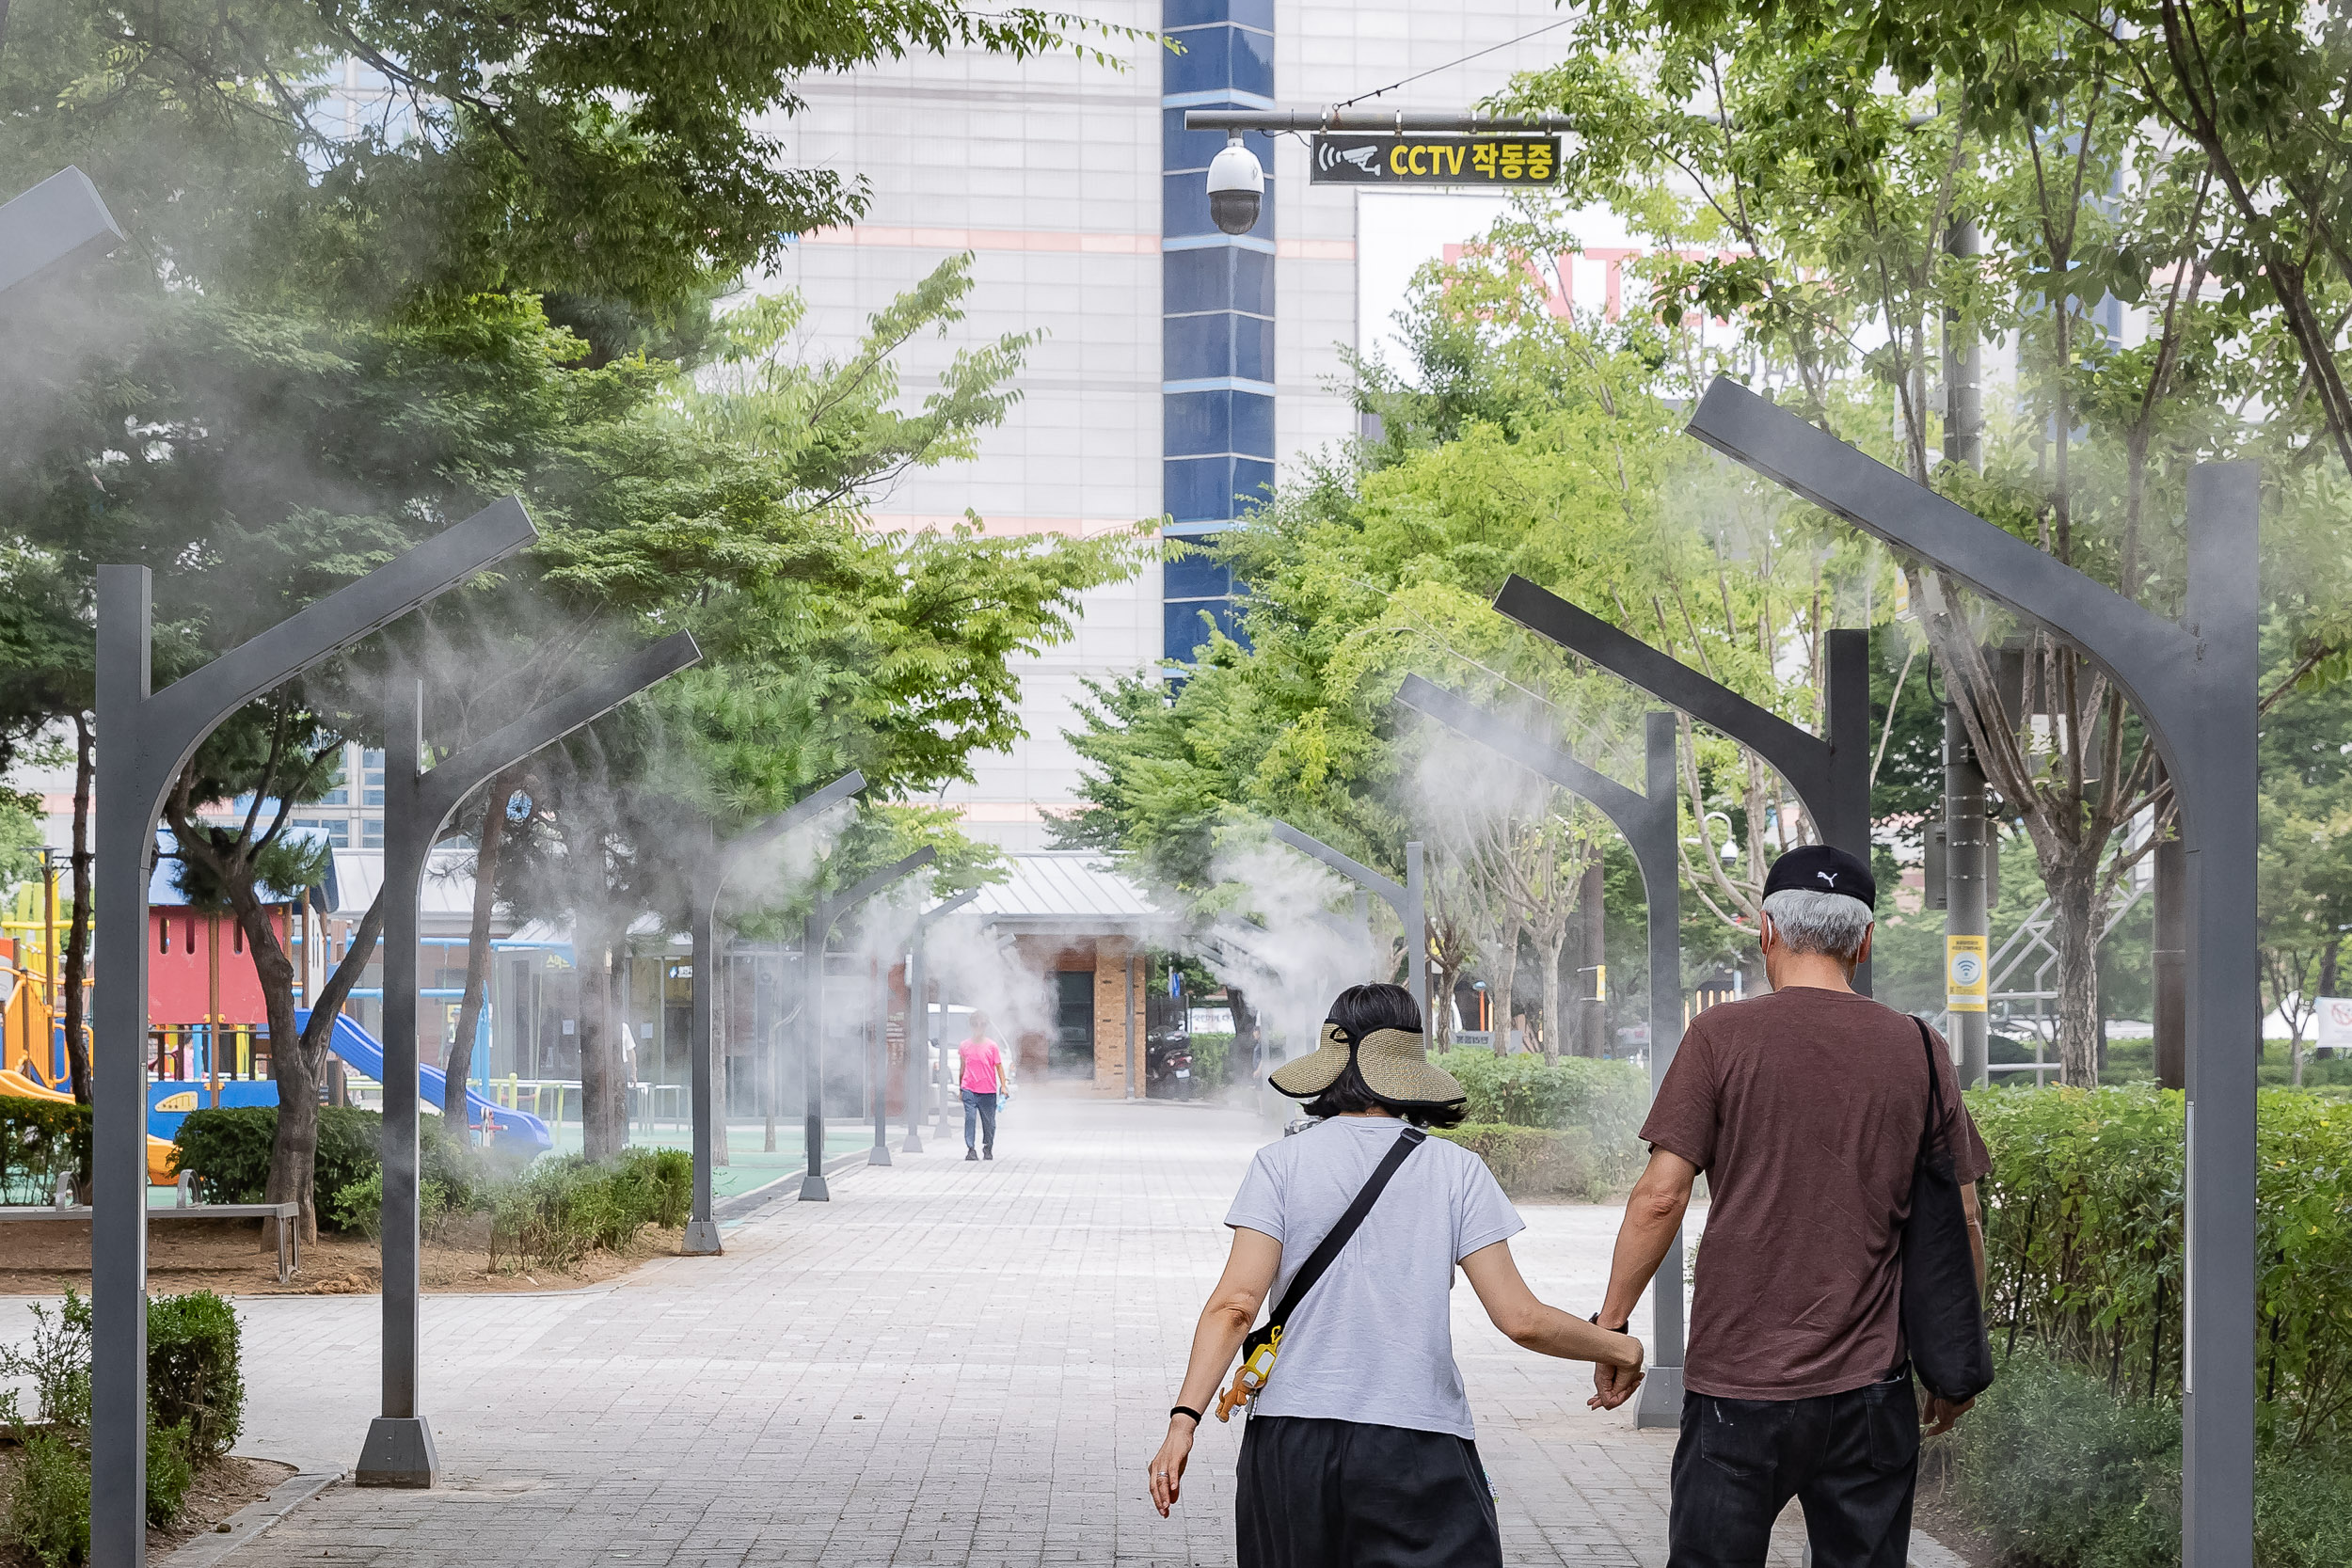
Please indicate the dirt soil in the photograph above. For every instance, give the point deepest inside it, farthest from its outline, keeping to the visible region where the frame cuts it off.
(220, 1489)
(237, 1258)
(1934, 1514)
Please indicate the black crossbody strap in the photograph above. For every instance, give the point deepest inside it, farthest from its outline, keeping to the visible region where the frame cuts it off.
(1327, 1250)
(1935, 1091)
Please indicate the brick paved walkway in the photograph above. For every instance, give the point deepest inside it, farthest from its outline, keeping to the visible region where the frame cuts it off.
(950, 1363)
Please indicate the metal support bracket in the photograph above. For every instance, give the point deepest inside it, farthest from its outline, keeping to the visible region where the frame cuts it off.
(702, 1231)
(1410, 900)
(2194, 685)
(418, 804)
(144, 739)
(919, 1015)
(821, 916)
(1830, 773)
(1647, 821)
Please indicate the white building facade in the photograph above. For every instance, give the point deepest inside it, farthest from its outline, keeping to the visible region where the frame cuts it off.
(1182, 371)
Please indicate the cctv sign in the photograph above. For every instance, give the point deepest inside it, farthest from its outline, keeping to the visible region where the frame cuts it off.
(1360, 159)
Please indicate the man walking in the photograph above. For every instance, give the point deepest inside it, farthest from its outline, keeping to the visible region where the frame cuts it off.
(1804, 1107)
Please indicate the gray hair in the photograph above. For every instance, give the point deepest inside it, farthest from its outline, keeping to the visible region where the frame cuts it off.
(1830, 924)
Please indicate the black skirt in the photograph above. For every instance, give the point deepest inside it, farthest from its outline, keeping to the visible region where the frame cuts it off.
(1318, 1494)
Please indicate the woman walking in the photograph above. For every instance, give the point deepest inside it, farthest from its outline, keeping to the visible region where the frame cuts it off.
(1359, 1451)
(983, 1078)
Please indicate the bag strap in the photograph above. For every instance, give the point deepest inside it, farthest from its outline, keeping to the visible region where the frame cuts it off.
(1935, 1089)
(1327, 1250)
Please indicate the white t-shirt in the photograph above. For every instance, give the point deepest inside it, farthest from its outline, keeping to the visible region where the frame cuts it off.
(1371, 1342)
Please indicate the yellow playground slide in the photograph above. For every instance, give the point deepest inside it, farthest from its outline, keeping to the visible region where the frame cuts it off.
(161, 1158)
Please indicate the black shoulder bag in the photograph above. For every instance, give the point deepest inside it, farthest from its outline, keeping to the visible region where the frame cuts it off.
(1943, 1314)
(1259, 1350)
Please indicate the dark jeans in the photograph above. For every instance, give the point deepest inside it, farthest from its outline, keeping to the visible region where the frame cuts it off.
(1316, 1493)
(1850, 1459)
(984, 1107)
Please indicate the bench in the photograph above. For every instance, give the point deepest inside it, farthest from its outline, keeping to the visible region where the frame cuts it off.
(285, 1214)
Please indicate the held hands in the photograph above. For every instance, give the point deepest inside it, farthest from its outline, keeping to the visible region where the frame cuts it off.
(1167, 1465)
(1614, 1380)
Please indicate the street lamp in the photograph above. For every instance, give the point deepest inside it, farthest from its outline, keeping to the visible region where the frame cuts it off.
(1236, 187)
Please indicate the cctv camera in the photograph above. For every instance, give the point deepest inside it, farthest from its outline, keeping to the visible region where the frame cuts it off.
(1236, 188)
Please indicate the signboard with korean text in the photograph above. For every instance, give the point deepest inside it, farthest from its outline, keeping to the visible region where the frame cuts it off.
(1355, 158)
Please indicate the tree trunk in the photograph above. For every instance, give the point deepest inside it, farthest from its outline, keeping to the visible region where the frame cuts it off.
(1592, 1034)
(459, 1067)
(1550, 944)
(2075, 933)
(1499, 980)
(76, 969)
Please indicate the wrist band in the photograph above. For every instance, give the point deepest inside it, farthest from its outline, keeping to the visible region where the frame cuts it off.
(1595, 1321)
(1185, 1410)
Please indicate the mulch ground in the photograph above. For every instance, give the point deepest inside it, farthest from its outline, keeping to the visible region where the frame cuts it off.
(237, 1258)
(220, 1489)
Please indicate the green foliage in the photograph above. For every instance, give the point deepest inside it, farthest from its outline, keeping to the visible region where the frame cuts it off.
(49, 1515)
(1606, 1099)
(1212, 1061)
(228, 1150)
(171, 1469)
(195, 1372)
(40, 1140)
(2060, 1471)
(2083, 1237)
(1535, 1162)
(195, 1408)
(561, 1210)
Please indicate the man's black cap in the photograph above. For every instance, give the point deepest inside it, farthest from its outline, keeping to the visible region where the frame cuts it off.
(1819, 868)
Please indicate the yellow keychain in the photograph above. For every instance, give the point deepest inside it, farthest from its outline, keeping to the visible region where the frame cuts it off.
(1257, 1364)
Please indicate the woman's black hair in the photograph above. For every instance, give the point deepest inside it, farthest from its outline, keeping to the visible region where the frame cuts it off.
(1362, 1010)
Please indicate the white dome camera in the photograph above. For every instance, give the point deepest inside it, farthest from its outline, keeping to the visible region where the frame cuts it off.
(1236, 187)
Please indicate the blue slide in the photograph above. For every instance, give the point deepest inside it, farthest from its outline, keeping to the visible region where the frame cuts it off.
(361, 1050)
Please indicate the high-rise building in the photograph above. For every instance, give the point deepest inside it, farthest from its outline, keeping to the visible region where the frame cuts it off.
(1181, 372)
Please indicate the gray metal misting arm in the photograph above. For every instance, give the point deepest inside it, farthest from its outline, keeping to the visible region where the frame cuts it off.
(1829, 773)
(1647, 821)
(2194, 685)
(59, 221)
(418, 804)
(919, 1012)
(821, 916)
(1409, 900)
(144, 739)
(702, 1231)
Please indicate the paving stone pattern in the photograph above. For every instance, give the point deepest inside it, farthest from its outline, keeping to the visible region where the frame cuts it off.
(950, 1363)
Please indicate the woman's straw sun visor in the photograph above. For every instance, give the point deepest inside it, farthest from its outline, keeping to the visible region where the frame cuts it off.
(1394, 1063)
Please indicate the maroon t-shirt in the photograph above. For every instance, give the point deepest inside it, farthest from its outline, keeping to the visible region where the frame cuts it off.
(1804, 1109)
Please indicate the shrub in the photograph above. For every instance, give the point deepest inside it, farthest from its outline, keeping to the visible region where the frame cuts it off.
(1212, 1061)
(559, 1211)
(2083, 1236)
(194, 1377)
(1534, 1162)
(41, 1139)
(49, 1516)
(229, 1149)
(171, 1469)
(1607, 1098)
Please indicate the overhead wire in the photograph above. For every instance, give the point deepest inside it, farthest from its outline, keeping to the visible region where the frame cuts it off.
(1451, 64)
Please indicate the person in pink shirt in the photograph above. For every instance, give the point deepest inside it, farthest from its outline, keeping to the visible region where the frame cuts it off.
(986, 1078)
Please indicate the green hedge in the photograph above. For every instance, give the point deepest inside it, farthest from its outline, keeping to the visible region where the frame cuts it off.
(2082, 1235)
(1608, 1098)
(1535, 1162)
(227, 1150)
(39, 1139)
(2062, 1472)
(195, 1409)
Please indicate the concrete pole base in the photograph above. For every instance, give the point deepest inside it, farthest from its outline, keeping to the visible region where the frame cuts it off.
(813, 1189)
(702, 1238)
(914, 1141)
(877, 1155)
(1660, 1403)
(398, 1452)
